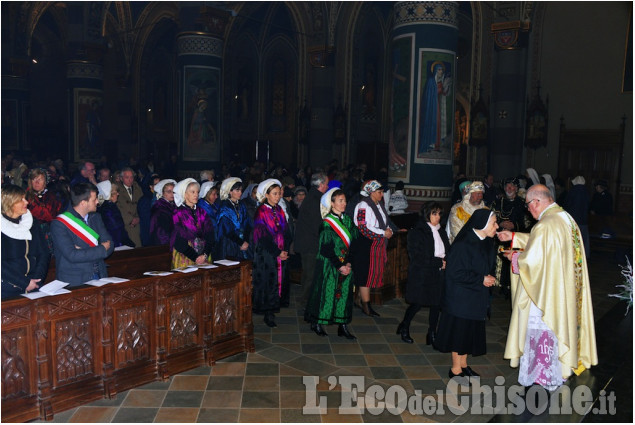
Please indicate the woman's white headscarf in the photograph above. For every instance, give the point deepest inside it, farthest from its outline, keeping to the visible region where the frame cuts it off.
(533, 175)
(226, 186)
(264, 186)
(550, 185)
(179, 190)
(247, 192)
(105, 189)
(205, 187)
(325, 202)
(158, 188)
(578, 180)
(369, 187)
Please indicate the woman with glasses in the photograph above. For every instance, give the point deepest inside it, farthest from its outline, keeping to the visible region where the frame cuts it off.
(43, 203)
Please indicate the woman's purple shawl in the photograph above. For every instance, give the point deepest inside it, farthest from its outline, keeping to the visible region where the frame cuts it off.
(161, 223)
(185, 227)
(270, 222)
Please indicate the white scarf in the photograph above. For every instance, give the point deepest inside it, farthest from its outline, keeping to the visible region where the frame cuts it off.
(21, 230)
(439, 248)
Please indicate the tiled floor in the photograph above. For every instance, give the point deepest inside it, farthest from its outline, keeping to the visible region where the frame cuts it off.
(273, 384)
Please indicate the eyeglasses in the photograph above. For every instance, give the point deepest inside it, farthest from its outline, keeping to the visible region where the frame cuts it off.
(527, 203)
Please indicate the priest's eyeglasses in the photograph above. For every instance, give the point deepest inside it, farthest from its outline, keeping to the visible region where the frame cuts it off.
(527, 203)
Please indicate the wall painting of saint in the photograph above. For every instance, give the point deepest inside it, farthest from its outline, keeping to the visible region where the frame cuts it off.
(435, 118)
(201, 113)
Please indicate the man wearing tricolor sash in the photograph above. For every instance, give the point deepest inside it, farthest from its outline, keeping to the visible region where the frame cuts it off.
(551, 332)
(81, 239)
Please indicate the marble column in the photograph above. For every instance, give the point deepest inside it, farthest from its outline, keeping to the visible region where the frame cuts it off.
(85, 118)
(200, 64)
(425, 36)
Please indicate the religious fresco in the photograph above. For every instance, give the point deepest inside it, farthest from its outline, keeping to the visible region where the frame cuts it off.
(88, 119)
(201, 109)
(435, 120)
(401, 99)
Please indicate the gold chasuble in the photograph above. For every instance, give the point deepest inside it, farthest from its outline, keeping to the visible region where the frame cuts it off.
(553, 274)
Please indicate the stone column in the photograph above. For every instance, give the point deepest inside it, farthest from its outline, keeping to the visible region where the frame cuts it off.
(509, 88)
(200, 65)
(423, 72)
(85, 118)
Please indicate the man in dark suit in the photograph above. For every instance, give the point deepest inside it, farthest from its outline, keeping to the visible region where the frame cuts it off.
(81, 239)
(307, 234)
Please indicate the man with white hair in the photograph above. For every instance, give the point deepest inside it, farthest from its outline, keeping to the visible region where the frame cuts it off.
(551, 331)
(462, 211)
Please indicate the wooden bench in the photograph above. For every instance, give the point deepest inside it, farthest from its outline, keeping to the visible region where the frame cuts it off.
(130, 262)
(68, 350)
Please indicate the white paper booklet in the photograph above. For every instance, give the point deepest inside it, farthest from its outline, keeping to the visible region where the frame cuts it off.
(123, 248)
(207, 266)
(227, 262)
(106, 280)
(157, 273)
(185, 269)
(55, 287)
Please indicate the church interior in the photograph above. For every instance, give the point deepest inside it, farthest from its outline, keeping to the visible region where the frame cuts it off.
(426, 90)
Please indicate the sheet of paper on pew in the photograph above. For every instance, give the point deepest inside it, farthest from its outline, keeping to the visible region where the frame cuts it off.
(55, 287)
(123, 248)
(106, 280)
(207, 266)
(227, 262)
(157, 273)
(185, 269)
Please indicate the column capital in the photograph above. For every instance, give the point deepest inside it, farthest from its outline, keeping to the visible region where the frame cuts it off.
(426, 12)
(84, 69)
(199, 43)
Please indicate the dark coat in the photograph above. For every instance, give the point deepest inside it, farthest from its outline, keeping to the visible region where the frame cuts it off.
(74, 258)
(111, 216)
(307, 235)
(425, 279)
(468, 262)
(17, 272)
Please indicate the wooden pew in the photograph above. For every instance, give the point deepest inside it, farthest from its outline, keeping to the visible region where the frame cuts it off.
(64, 351)
(130, 262)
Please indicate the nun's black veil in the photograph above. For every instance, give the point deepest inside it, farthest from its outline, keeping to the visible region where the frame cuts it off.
(478, 221)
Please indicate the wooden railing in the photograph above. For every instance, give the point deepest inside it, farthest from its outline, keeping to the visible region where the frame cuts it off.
(64, 351)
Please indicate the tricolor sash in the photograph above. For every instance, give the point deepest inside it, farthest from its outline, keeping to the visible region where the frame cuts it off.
(341, 231)
(79, 228)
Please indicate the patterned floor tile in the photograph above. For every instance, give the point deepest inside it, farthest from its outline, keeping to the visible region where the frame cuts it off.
(229, 369)
(177, 414)
(221, 399)
(183, 399)
(225, 383)
(259, 415)
(94, 414)
(260, 400)
(144, 398)
(297, 416)
(261, 383)
(262, 369)
(218, 415)
(189, 383)
(135, 414)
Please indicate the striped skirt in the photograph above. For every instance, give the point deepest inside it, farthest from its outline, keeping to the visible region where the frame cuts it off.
(369, 262)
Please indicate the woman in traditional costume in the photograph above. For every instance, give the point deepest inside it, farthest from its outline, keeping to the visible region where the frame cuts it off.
(371, 219)
(331, 300)
(234, 224)
(192, 239)
(271, 240)
(467, 282)
(110, 214)
(427, 246)
(161, 222)
(207, 200)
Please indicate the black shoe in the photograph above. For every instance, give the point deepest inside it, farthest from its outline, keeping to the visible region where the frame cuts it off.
(269, 320)
(430, 338)
(455, 375)
(366, 308)
(342, 330)
(467, 371)
(404, 331)
(318, 329)
(371, 311)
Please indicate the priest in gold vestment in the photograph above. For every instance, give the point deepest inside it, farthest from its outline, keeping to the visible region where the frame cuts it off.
(551, 332)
